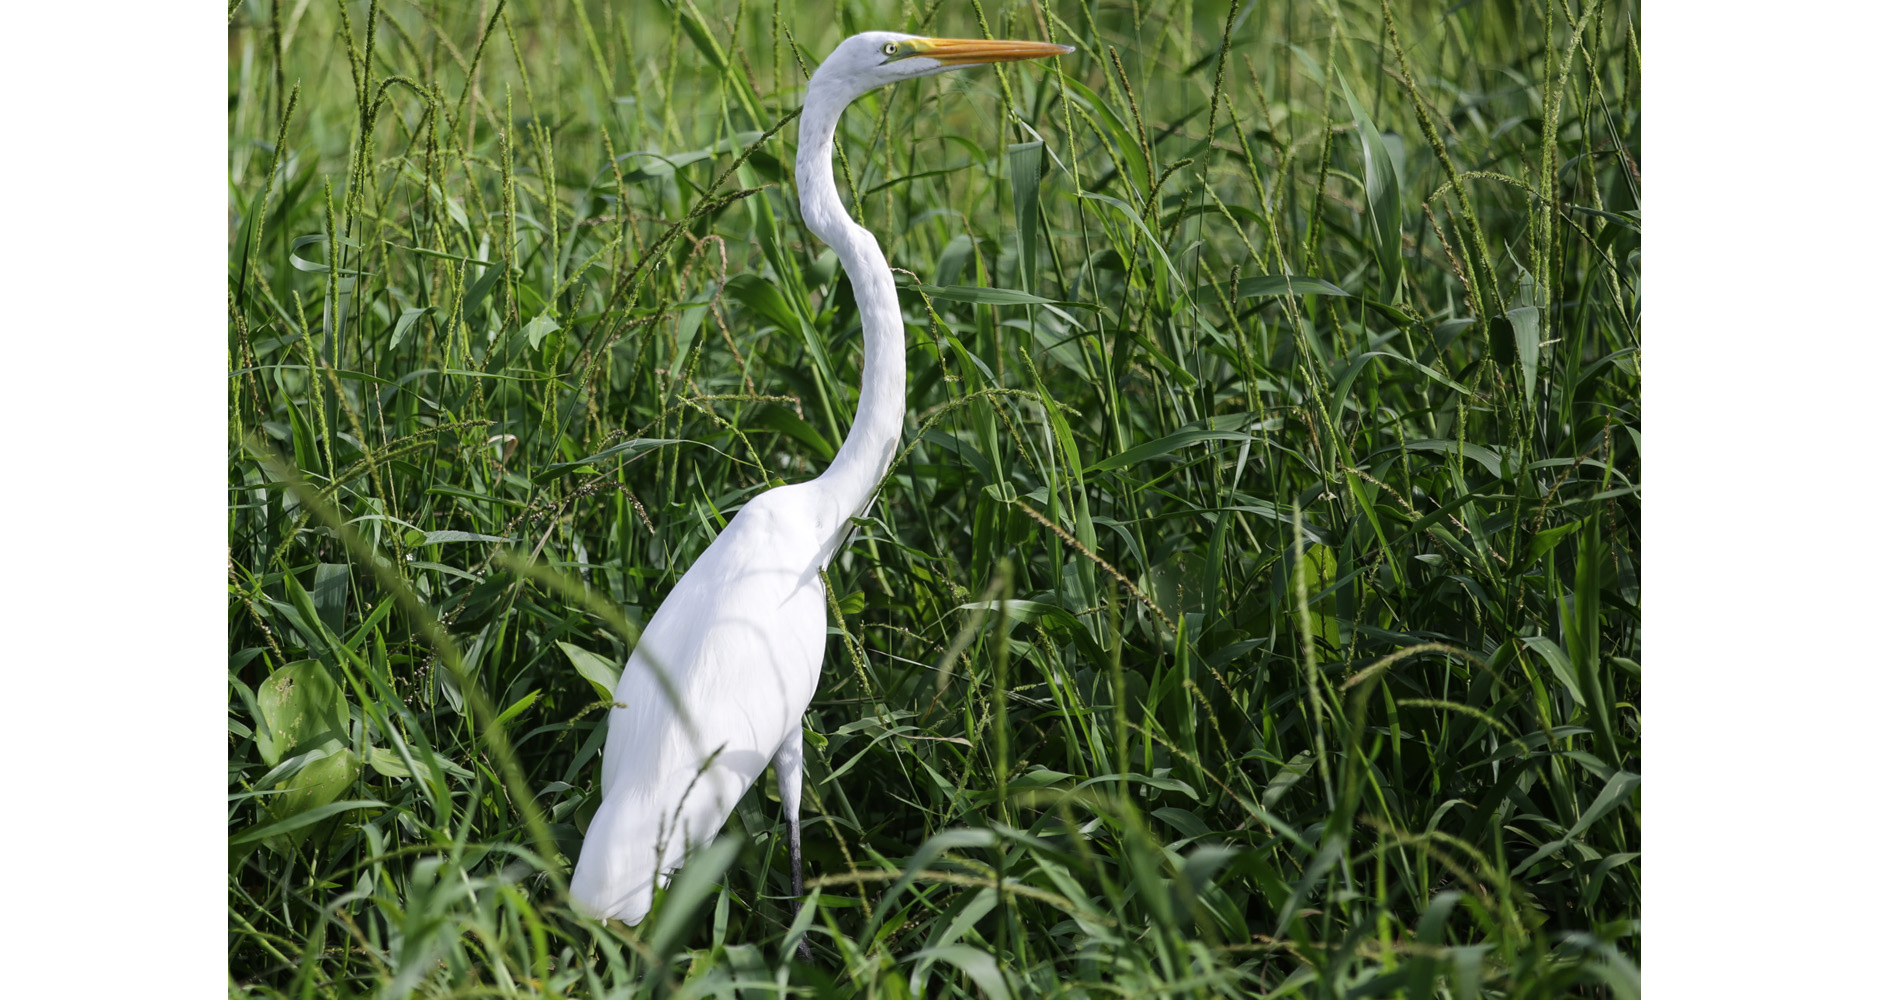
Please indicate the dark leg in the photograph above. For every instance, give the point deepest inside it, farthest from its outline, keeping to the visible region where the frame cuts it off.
(790, 764)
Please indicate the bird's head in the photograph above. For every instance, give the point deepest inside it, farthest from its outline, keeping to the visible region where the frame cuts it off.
(872, 59)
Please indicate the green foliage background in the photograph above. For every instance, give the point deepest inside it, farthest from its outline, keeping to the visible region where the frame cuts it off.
(1253, 608)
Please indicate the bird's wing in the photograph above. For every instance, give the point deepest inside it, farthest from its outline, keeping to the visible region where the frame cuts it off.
(740, 638)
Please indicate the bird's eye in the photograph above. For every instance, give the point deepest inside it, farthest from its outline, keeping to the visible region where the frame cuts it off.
(890, 48)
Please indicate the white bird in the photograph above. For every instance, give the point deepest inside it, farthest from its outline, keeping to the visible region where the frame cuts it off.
(741, 637)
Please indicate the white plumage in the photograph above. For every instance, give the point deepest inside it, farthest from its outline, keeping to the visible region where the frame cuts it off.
(742, 635)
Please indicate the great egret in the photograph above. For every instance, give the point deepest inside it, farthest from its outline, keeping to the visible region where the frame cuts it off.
(740, 638)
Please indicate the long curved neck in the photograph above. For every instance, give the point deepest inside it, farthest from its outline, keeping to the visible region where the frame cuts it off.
(852, 479)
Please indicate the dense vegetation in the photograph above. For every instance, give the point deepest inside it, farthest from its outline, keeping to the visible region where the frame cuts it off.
(1253, 608)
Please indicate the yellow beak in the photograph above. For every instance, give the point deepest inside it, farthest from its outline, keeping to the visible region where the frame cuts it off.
(971, 51)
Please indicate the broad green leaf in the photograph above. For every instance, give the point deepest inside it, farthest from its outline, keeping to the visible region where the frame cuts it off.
(538, 328)
(1554, 656)
(602, 673)
(315, 785)
(439, 537)
(523, 704)
(1167, 784)
(1165, 446)
(1020, 610)
(330, 594)
(1382, 183)
(778, 418)
(1131, 159)
(302, 707)
(478, 289)
(624, 451)
(301, 263)
(951, 263)
(982, 902)
(1524, 327)
(979, 965)
(665, 165)
(689, 888)
(990, 296)
(1186, 822)
(1025, 176)
(305, 818)
(389, 764)
(1615, 790)
(1295, 769)
(1134, 217)
(764, 299)
(1618, 788)
(404, 322)
(1548, 538)
(1491, 460)
(1271, 284)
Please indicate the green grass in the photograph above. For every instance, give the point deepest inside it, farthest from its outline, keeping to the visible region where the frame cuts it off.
(1316, 667)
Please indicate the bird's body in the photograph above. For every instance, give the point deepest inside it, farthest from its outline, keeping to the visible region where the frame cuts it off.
(745, 601)
(741, 637)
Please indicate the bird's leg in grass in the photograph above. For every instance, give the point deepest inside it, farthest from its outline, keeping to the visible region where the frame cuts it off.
(789, 761)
